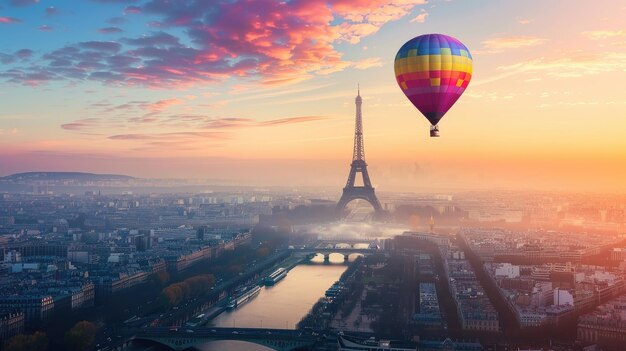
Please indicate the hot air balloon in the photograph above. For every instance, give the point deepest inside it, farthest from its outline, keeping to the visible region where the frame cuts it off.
(433, 71)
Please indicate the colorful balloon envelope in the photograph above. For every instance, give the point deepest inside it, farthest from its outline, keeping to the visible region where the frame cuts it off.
(433, 71)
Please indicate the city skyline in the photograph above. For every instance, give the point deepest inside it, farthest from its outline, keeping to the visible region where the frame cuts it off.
(516, 270)
(142, 84)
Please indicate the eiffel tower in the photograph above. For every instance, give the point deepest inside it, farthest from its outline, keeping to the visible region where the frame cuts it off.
(366, 191)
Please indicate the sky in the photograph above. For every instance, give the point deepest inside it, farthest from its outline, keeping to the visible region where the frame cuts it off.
(262, 92)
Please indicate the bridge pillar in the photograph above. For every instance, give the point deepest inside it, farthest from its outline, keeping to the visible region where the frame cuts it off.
(326, 257)
(346, 257)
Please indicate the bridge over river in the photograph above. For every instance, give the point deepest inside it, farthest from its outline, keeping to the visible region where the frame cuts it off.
(183, 338)
(343, 247)
(326, 251)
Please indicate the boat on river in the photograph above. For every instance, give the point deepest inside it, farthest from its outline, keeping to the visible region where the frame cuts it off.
(243, 297)
(275, 277)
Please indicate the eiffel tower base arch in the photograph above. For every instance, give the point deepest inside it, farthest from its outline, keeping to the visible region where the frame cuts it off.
(359, 194)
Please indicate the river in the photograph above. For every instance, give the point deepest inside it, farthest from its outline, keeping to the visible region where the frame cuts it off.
(280, 306)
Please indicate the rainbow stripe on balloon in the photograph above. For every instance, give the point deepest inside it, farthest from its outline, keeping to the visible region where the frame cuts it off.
(433, 71)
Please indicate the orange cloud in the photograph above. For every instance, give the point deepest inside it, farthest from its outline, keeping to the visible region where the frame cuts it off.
(175, 135)
(501, 44)
(576, 64)
(277, 42)
(368, 63)
(163, 104)
(248, 122)
(291, 120)
(604, 34)
(421, 18)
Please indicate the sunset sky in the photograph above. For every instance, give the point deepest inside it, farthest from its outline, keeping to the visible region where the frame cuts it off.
(262, 92)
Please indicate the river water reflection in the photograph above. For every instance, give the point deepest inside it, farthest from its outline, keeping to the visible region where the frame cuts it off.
(282, 305)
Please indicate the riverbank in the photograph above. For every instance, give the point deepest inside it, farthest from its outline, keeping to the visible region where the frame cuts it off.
(324, 310)
(205, 317)
(281, 306)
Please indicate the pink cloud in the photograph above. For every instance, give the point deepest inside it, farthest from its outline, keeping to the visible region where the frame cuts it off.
(163, 104)
(82, 124)
(363, 17)
(117, 118)
(292, 120)
(10, 20)
(132, 10)
(207, 132)
(110, 30)
(176, 135)
(234, 122)
(155, 24)
(275, 42)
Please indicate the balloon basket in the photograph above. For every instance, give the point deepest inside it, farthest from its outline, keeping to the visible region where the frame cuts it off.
(434, 132)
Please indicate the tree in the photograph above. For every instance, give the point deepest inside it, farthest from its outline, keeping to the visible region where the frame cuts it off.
(262, 252)
(189, 288)
(34, 342)
(161, 278)
(81, 336)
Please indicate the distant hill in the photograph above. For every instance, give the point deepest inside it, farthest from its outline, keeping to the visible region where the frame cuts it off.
(76, 176)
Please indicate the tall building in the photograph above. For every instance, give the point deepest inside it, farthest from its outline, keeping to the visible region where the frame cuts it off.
(201, 232)
(352, 191)
(35, 307)
(605, 326)
(11, 324)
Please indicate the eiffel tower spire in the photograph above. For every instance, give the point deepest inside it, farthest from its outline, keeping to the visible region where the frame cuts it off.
(359, 148)
(358, 165)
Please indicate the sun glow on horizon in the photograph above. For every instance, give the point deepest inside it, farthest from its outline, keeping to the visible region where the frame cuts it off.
(265, 93)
